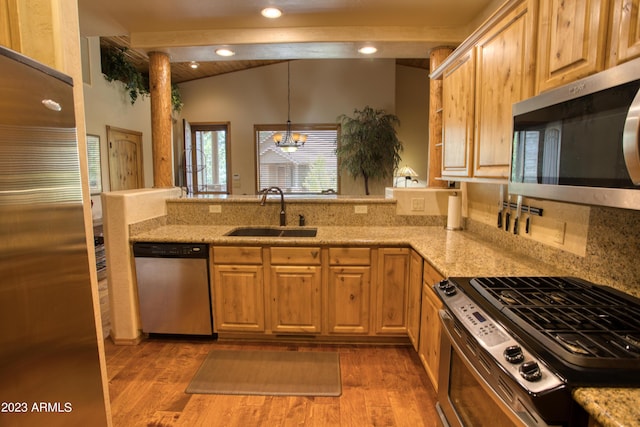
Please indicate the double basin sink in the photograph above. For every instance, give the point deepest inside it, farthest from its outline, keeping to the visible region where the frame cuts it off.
(273, 232)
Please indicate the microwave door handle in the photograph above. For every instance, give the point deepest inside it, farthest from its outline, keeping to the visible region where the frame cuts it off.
(631, 140)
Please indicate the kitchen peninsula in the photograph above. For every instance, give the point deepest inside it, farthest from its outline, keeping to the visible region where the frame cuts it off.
(163, 216)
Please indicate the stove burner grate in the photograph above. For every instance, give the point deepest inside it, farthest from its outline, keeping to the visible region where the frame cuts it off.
(584, 323)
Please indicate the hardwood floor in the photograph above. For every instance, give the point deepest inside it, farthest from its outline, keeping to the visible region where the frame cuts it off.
(381, 386)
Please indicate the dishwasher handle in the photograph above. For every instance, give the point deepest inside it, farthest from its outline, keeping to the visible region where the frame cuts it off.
(170, 250)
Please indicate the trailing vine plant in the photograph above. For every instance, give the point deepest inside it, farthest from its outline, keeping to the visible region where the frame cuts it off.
(116, 66)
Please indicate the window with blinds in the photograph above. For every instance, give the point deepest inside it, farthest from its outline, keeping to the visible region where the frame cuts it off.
(312, 169)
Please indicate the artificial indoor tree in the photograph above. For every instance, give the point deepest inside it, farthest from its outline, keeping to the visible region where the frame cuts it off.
(369, 145)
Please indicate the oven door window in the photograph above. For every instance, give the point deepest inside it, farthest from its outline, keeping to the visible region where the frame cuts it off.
(472, 404)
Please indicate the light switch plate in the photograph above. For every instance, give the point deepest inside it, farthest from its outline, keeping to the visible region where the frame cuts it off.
(215, 208)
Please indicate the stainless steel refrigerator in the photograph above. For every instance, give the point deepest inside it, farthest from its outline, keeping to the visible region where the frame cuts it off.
(50, 371)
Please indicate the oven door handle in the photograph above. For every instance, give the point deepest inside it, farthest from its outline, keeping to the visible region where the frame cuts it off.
(631, 140)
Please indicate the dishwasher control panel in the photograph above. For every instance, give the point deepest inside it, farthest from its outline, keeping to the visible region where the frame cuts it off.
(173, 250)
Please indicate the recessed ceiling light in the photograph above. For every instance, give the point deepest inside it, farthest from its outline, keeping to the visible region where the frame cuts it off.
(271, 12)
(194, 64)
(224, 52)
(367, 50)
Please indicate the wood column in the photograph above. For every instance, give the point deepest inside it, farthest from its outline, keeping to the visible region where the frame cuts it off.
(436, 57)
(161, 129)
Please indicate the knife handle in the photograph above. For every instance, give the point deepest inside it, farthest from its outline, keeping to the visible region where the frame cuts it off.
(499, 219)
(515, 226)
(526, 225)
(507, 220)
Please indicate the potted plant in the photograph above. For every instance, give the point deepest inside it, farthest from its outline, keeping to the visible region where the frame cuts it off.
(117, 66)
(369, 145)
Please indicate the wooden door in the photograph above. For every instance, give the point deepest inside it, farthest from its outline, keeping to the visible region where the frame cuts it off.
(625, 31)
(125, 159)
(572, 36)
(391, 291)
(348, 300)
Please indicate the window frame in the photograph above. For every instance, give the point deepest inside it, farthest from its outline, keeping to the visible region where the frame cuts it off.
(295, 127)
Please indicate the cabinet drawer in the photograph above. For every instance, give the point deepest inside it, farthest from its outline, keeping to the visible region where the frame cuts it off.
(237, 255)
(349, 256)
(295, 256)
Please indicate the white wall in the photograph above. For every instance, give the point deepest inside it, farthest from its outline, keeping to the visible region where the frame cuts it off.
(108, 104)
(320, 91)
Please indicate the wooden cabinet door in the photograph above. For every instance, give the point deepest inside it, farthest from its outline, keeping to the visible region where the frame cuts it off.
(458, 95)
(295, 299)
(348, 300)
(571, 40)
(238, 298)
(391, 291)
(504, 68)
(625, 31)
(430, 330)
(415, 297)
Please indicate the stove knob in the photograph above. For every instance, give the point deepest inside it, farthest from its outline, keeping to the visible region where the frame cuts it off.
(513, 354)
(443, 284)
(450, 290)
(530, 371)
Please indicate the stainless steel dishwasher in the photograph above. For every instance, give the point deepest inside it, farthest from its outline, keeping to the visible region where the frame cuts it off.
(173, 288)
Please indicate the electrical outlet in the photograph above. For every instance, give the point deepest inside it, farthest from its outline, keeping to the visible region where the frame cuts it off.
(417, 204)
(215, 208)
(559, 232)
(360, 209)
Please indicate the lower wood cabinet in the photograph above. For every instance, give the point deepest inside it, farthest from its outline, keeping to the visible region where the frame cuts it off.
(348, 294)
(343, 291)
(237, 289)
(391, 291)
(295, 282)
(295, 299)
(415, 297)
(430, 329)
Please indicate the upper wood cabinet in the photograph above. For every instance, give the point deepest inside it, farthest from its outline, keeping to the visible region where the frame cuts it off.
(458, 95)
(572, 38)
(625, 31)
(482, 79)
(504, 75)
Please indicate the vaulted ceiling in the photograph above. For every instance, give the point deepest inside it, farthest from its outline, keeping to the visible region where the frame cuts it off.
(191, 30)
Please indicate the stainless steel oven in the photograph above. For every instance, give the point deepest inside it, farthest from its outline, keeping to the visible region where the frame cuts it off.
(474, 390)
(514, 348)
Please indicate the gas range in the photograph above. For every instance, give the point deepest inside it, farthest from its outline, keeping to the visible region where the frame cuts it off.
(586, 334)
(540, 337)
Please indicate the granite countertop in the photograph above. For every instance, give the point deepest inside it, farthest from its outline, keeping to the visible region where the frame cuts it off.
(611, 407)
(452, 253)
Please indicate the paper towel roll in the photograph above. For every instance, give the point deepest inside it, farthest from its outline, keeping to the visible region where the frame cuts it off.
(453, 213)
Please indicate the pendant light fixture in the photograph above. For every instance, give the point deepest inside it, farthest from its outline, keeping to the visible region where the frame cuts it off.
(289, 141)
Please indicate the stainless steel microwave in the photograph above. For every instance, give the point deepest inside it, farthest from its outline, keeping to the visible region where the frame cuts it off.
(579, 143)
